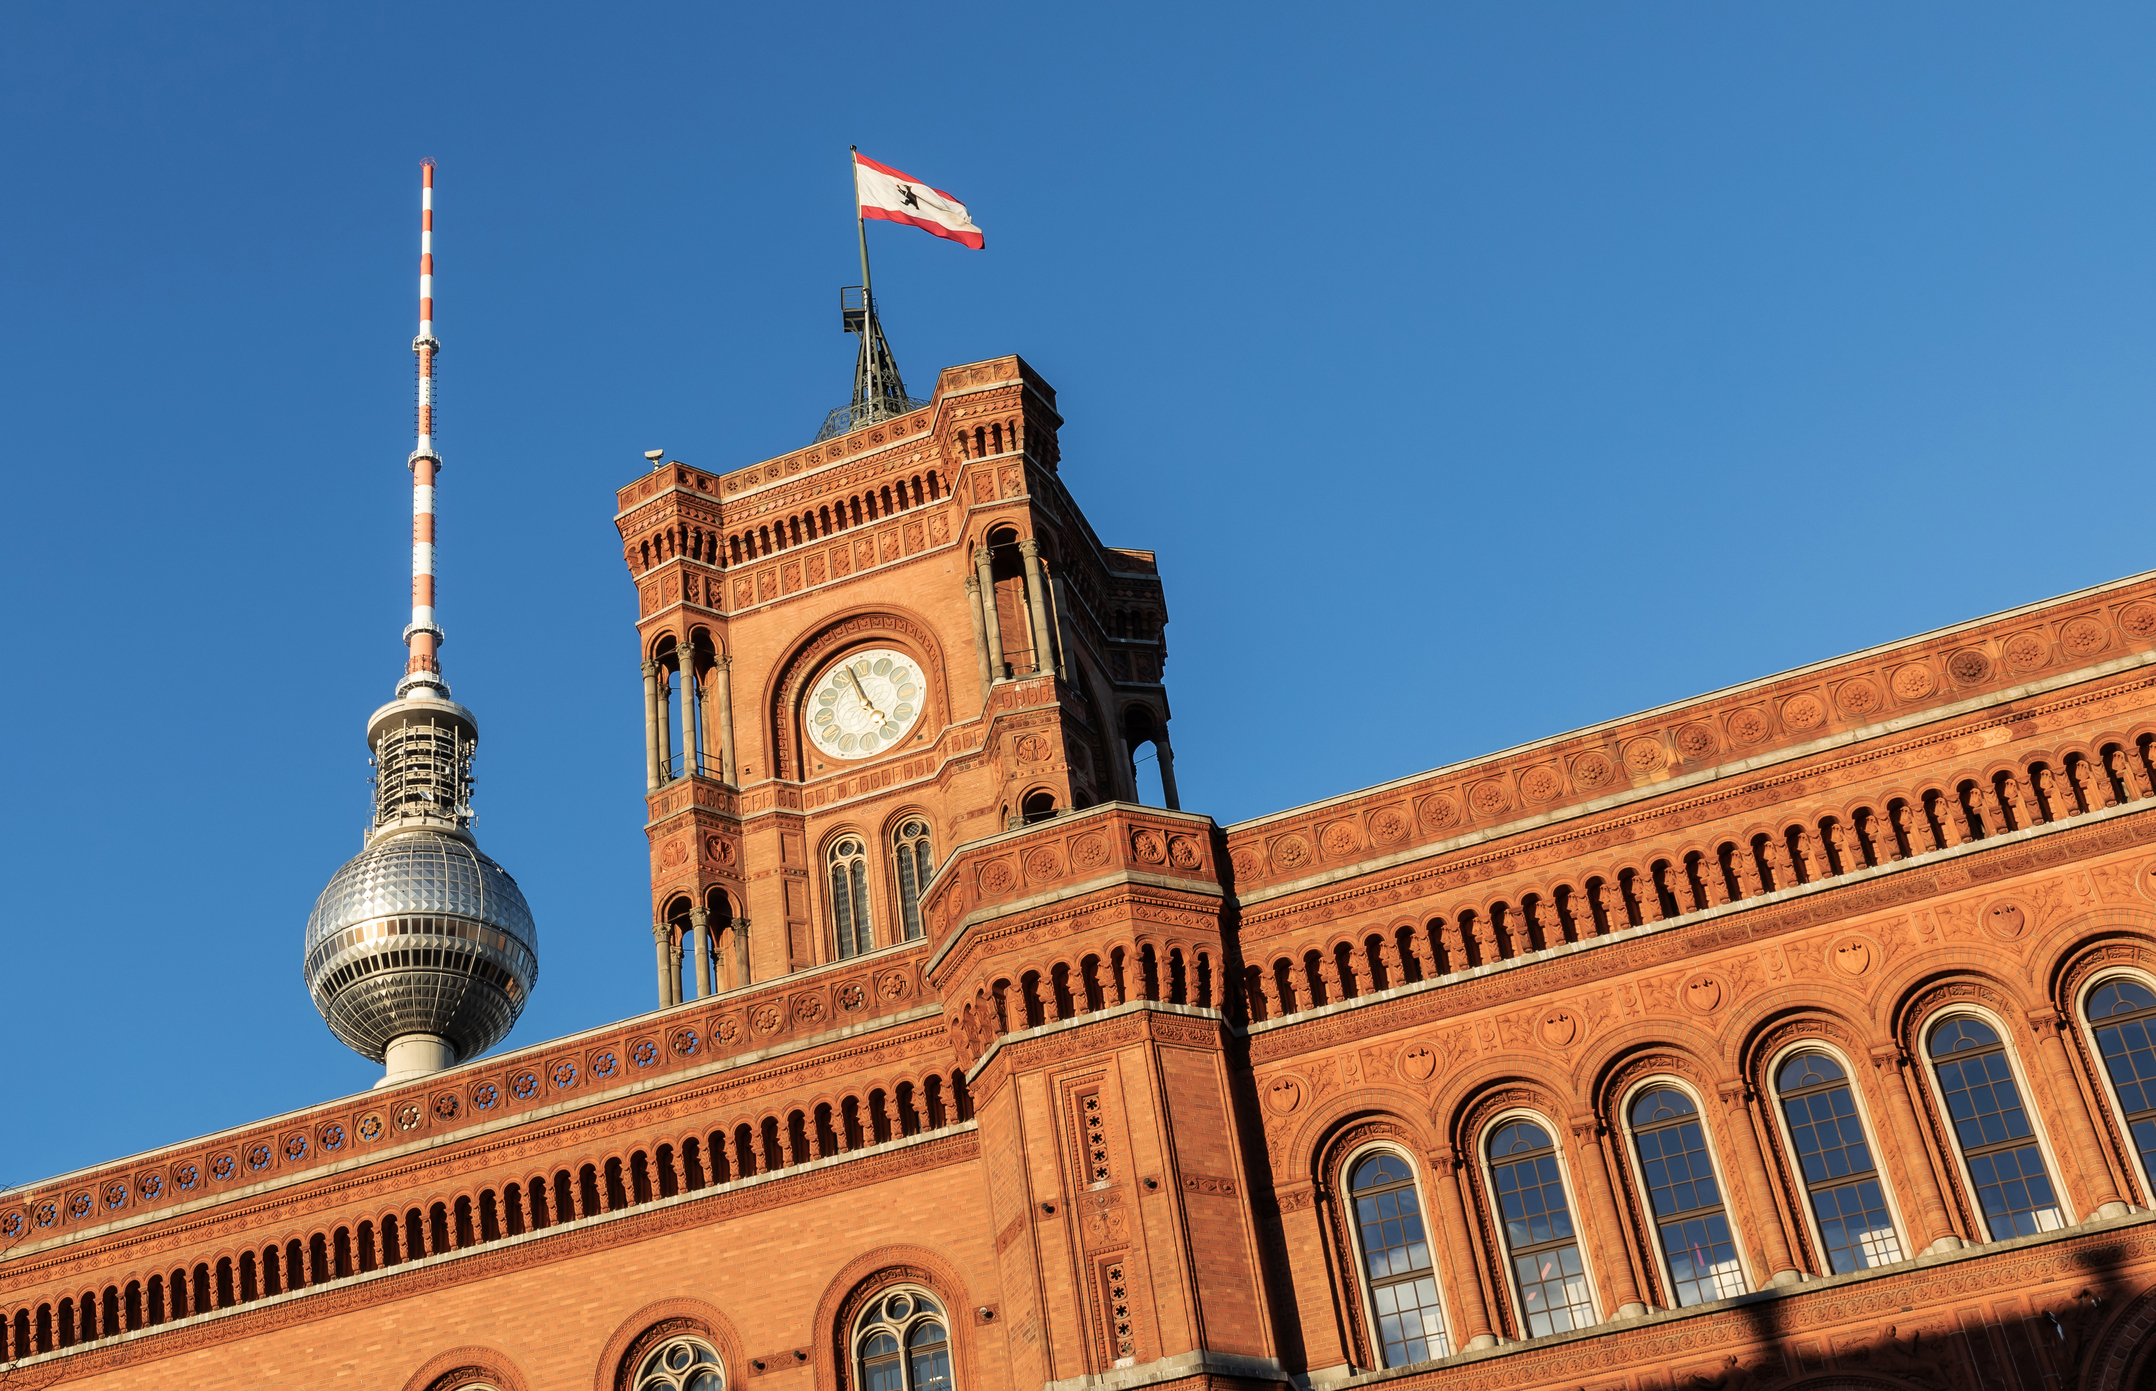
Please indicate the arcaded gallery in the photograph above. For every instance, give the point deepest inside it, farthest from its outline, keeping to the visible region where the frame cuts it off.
(1799, 1035)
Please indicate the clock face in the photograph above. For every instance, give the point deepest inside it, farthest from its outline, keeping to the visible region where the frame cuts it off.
(866, 703)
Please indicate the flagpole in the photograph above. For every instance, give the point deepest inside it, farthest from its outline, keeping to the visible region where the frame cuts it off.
(860, 226)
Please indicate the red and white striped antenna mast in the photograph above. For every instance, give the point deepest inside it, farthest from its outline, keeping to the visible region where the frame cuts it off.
(424, 636)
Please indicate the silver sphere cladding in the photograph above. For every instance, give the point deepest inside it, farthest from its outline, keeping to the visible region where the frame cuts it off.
(420, 933)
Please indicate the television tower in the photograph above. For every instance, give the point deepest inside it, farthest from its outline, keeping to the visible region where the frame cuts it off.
(421, 952)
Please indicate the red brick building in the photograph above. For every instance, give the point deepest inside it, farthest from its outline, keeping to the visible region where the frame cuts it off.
(1797, 1035)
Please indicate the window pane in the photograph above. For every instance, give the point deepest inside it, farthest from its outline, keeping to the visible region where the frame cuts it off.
(1854, 1224)
(2130, 1057)
(1680, 1178)
(1411, 1326)
(2014, 1192)
(841, 910)
(931, 1358)
(1702, 1259)
(1553, 1291)
(2120, 997)
(1393, 1240)
(1830, 1144)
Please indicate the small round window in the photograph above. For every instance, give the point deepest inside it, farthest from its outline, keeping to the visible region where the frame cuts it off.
(681, 1364)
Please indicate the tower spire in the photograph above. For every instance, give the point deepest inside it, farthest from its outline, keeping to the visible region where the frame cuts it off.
(423, 636)
(878, 394)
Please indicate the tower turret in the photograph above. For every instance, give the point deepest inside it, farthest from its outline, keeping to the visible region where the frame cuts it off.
(421, 952)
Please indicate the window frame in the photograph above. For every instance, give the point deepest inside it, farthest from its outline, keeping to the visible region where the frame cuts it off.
(635, 1366)
(2096, 981)
(868, 895)
(1772, 1090)
(893, 834)
(1936, 1092)
(1366, 1289)
(870, 1315)
(1496, 1213)
(1630, 1135)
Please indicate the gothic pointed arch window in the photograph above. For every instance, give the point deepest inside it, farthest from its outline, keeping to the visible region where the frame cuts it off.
(680, 1364)
(1998, 1145)
(1548, 1276)
(1840, 1172)
(847, 861)
(902, 1342)
(913, 865)
(2122, 1014)
(1691, 1221)
(1394, 1243)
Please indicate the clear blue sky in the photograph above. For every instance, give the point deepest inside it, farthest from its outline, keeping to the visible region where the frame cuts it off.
(1476, 371)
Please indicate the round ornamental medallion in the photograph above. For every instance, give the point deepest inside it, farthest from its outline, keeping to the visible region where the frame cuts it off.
(1418, 1062)
(996, 877)
(674, 852)
(1032, 748)
(1851, 956)
(1339, 840)
(562, 1074)
(1149, 848)
(851, 996)
(447, 1107)
(643, 1052)
(605, 1063)
(892, 985)
(115, 1196)
(2025, 651)
(2006, 920)
(684, 1042)
(766, 1018)
(1748, 726)
(1183, 852)
(1246, 862)
(2082, 637)
(1858, 697)
(1043, 863)
(719, 850)
(1438, 812)
(1695, 740)
(331, 1136)
(2138, 619)
(1913, 681)
(151, 1187)
(1291, 852)
(11, 1225)
(47, 1213)
(809, 1009)
(1559, 1028)
(1644, 755)
(486, 1096)
(1388, 826)
(1089, 852)
(407, 1116)
(295, 1146)
(1283, 1095)
(224, 1167)
(727, 1031)
(370, 1126)
(1703, 994)
(1803, 712)
(1968, 665)
(258, 1158)
(524, 1085)
(1541, 785)
(1592, 770)
(81, 1205)
(1489, 798)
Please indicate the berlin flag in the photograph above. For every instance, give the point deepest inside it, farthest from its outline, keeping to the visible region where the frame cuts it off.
(883, 192)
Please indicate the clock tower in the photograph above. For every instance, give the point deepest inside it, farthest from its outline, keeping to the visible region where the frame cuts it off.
(860, 655)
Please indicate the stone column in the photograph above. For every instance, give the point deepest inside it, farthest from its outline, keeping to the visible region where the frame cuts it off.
(741, 952)
(1463, 1279)
(985, 576)
(2099, 1194)
(658, 940)
(664, 725)
(721, 682)
(980, 630)
(700, 934)
(1925, 1206)
(1043, 650)
(1751, 1164)
(1785, 873)
(687, 659)
(673, 972)
(651, 727)
(1604, 1227)
(1066, 665)
(1165, 756)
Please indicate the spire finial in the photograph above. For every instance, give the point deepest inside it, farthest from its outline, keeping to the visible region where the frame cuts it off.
(424, 636)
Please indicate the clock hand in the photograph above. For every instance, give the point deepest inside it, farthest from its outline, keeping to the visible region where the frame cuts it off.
(862, 691)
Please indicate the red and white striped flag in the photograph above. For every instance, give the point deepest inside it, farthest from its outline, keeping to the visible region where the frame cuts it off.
(886, 193)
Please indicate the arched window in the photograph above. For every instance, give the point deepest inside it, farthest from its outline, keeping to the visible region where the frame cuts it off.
(915, 865)
(848, 860)
(1546, 1265)
(2123, 1014)
(1687, 1202)
(902, 1344)
(680, 1364)
(1855, 1229)
(1038, 806)
(1396, 1260)
(2006, 1167)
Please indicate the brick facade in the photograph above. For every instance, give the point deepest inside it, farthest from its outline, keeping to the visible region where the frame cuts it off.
(1109, 1106)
